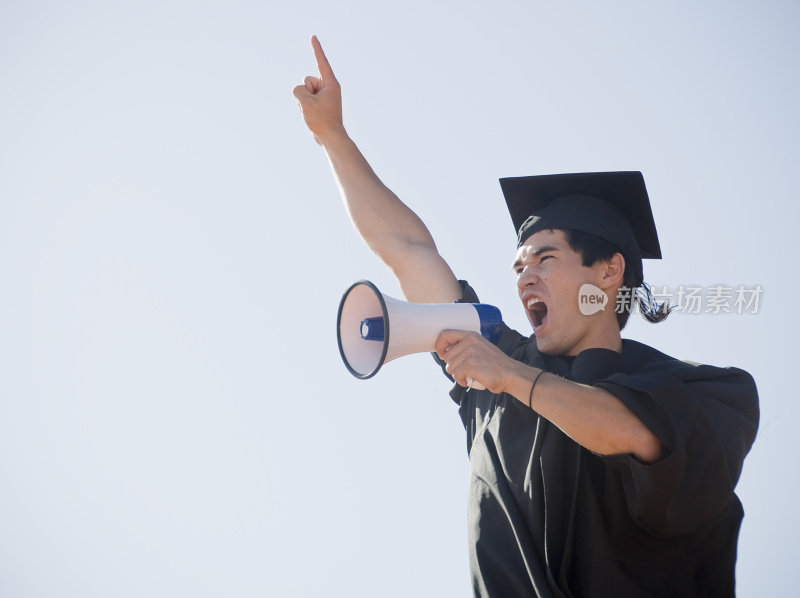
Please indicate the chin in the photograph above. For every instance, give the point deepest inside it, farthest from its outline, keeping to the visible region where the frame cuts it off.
(550, 344)
(546, 345)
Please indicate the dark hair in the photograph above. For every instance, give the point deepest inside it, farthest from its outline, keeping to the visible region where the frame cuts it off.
(593, 249)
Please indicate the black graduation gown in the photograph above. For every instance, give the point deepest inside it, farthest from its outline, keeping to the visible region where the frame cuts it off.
(549, 518)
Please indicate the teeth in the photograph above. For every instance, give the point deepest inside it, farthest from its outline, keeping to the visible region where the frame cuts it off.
(533, 301)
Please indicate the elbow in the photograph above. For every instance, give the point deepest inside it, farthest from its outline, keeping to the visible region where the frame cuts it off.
(642, 444)
(647, 448)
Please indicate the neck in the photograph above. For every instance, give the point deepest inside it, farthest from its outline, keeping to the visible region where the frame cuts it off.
(605, 335)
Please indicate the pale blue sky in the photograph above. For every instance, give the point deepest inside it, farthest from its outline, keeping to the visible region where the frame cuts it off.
(175, 419)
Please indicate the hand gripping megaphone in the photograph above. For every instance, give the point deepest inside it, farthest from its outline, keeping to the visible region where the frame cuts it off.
(373, 328)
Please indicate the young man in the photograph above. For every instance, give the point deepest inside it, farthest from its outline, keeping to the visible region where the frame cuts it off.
(598, 467)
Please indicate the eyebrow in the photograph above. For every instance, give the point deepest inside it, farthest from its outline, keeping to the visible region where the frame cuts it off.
(535, 253)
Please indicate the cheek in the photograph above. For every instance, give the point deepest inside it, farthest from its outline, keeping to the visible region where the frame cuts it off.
(566, 298)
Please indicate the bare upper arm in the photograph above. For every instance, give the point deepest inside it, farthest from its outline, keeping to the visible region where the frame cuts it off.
(424, 275)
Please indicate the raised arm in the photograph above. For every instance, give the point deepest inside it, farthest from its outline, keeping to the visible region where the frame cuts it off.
(394, 232)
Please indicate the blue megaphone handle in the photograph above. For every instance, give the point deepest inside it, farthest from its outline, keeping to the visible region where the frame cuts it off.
(491, 321)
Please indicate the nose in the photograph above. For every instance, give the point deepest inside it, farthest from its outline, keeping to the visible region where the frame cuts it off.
(526, 278)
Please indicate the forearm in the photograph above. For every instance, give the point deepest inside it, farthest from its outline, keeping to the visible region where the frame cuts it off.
(591, 416)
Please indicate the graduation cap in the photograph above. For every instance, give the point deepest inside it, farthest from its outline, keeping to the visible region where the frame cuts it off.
(611, 205)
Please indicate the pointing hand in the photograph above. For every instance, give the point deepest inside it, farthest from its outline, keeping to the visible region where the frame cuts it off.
(320, 98)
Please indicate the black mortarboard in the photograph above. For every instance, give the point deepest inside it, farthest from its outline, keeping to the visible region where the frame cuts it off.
(611, 205)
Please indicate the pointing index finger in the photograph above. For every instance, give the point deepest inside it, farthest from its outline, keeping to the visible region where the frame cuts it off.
(323, 65)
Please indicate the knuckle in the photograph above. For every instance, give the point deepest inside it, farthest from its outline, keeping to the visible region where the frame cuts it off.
(472, 339)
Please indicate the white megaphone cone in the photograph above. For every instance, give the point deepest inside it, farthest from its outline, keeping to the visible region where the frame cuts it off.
(373, 328)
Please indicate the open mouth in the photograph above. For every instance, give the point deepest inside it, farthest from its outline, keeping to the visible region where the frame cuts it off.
(538, 311)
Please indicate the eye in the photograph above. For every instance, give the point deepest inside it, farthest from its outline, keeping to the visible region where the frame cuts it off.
(545, 257)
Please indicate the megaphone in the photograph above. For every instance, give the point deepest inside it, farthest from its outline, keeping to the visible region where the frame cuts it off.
(373, 328)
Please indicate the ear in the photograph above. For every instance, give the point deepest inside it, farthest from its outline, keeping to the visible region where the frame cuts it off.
(613, 272)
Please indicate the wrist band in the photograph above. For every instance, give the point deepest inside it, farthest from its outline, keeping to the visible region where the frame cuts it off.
(535, 380)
